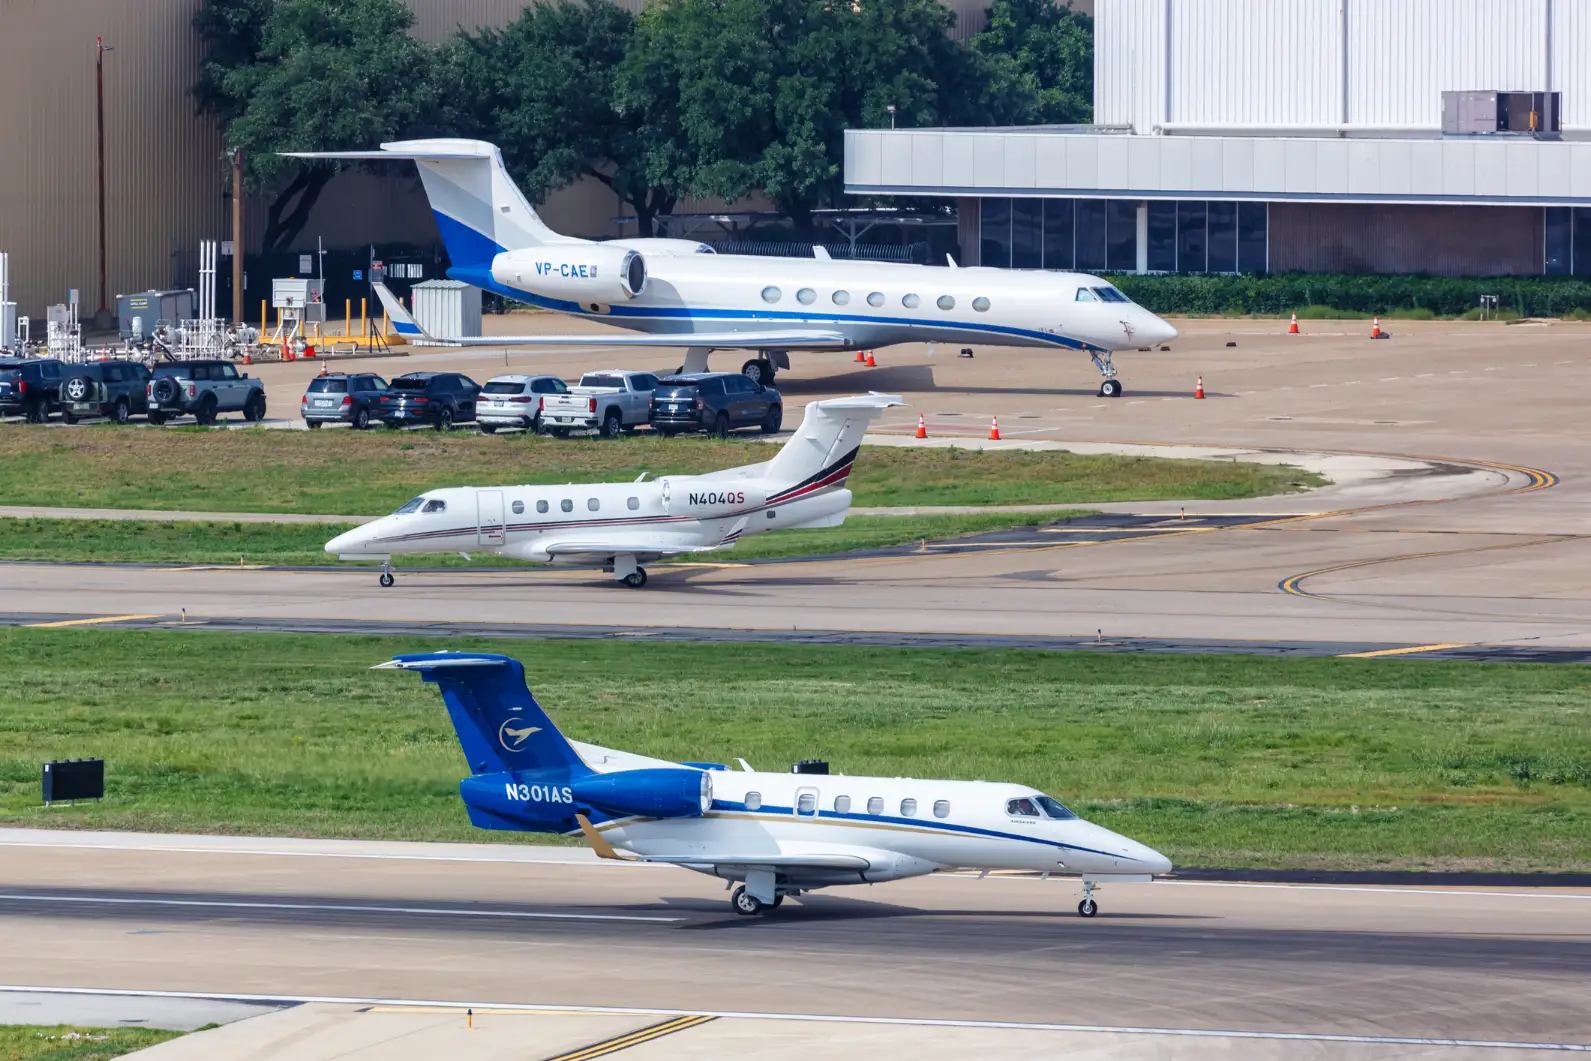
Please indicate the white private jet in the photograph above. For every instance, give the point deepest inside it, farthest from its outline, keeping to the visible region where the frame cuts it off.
(620, 526)
(776, 834)
(679, 293)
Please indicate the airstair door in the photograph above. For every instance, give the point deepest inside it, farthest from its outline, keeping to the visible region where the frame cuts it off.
(490, 504)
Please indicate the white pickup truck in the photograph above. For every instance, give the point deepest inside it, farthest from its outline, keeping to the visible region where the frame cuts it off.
(610, 401)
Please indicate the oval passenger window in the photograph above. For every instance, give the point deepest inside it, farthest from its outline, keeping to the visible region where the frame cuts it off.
(946, 302)
(941, 808)
(592, 504)
(541, 506)
(632, 503)
(875, 805)
(807, 803)
(842, 298)
(567, 505)
(876, 298)
(980, 304)
(753, 800)
(771, 294)
(519, 508)
(806, 296)
(908, 808)
(842, 804)
(910, 301)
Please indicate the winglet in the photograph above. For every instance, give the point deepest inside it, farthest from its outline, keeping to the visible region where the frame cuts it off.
(821, 253)
(402, 323)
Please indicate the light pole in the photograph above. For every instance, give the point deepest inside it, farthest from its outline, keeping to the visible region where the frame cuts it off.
(891, 109)
(103, 317)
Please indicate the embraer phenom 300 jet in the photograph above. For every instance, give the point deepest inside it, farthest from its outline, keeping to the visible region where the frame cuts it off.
(620, 526)
(679, 293)
(775, 834)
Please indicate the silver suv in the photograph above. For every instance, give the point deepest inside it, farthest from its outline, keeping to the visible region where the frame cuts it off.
(203, 389)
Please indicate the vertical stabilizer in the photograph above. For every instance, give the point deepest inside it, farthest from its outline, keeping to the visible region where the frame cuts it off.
(819, 455)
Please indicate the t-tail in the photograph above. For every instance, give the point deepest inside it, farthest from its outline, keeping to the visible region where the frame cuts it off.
(479, 209)
(817, 460)
(523, 770)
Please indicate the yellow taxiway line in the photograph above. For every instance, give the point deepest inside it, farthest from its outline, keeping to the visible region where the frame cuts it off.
(91, 622)
(1405, 651)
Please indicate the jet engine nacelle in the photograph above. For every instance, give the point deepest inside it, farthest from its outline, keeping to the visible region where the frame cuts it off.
(654, 793)
(578, 272)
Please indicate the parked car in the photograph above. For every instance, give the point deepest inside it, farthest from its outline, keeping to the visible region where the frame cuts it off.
(716, 402)
(611, 401)
(30, 387)
(440, 399)
(203, 389)
(515, 401)
(117, 389)
(342, 398)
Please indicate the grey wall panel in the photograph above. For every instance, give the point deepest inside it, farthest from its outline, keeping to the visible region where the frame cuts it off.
(1523, 173)
(1237, 164)
(958, 155)
(988, 160)
(1270, 165)
(1115, 163)
(1176, 164)
(1207, 161)
(1049, 165)
(896, 161)
(1458, 168)
(1302, 167)
(927, 158)
(1082, 162)
(1021, 164)
(1491, 169)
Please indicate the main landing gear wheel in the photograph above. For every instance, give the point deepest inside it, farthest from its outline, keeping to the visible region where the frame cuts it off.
(745, 903)
(1087, 908)
(386, 575)
(1111, 388)
(635, 579)
(759, 370)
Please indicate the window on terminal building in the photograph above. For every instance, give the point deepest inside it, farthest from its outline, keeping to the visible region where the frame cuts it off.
(994, 232)
(1221, 228)
(1027, 233)
(1558, 256)
(1058, 231)
(1582, 241)
(1090, 234)
(1253, 237)
(1191, 256)
(1121, 235)
(1162, 250)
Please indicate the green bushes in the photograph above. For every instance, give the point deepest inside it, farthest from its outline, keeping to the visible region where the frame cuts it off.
(1321, 295)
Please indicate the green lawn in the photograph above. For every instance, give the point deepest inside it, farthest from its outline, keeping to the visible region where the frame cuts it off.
(370, 473)
(146, 541)
(62, 1042)
(1237, 761)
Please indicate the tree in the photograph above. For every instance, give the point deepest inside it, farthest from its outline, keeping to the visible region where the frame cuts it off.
(542, 89)
(756, 95)
(1051, 49)
(309, 75)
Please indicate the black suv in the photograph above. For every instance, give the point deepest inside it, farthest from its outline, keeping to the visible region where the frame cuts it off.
(440, 399)
(116, 389)
(30, 387)
(343, 398)
(715, 402)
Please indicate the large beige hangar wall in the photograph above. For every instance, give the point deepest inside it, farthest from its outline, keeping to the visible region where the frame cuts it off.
(161, 162)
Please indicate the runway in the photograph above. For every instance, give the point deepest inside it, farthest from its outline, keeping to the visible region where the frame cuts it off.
(517, 925)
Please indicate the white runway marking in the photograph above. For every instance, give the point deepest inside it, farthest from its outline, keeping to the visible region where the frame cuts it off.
(344, 908)
(826, 1018)
(1375, 889)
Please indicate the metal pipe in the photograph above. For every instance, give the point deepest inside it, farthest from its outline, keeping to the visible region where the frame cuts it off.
(1342, 30)
(99, 95)
(237, 238)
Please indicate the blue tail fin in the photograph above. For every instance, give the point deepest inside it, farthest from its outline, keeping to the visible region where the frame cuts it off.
(498, 722)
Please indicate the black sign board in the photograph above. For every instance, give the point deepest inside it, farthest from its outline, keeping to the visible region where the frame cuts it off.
(74, 779)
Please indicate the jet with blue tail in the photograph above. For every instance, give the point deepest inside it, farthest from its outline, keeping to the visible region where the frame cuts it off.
(772, 836)
(679, 292)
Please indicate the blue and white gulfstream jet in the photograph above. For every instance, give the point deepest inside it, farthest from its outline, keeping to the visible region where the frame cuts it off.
(678, 293)
(774, 834)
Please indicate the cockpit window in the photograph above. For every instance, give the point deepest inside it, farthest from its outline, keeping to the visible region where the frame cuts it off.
(435, 506)
(1110, 294)
(1085, 295)
(1021, 808)
(410, 506)
(1053, 808)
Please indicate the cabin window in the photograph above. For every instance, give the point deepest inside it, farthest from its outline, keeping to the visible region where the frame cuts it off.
(946, 302)
(941, 808)
(771, 294)
(980, 304)
(541, 506)
(567, 505)
(435, 506)
(806, 296)
(908, 808)
(632, 503)
(876, 298)
(1021, 808)
(806, 803)
(875, 805)
(842, 298)
(842, 804)
(910, 301)
(519, 508)
(753, 800)
(592, 504)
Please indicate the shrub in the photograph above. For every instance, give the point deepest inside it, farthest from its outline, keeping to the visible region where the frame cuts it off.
(1358, 296)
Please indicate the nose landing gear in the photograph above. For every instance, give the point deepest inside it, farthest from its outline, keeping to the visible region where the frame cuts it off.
(386, 579)
(1088, 907)
(1110, 387)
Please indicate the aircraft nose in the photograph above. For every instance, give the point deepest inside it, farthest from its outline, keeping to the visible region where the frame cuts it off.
(1157, 329)
(1154, 862)
(346, 542)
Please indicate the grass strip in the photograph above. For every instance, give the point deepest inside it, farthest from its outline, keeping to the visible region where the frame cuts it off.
(373, 472)
(159, 542)
(64, 1042)
(1226, 761)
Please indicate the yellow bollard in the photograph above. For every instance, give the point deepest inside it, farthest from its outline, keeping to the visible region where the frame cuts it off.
(348, 317)
(265, 320)
(364, 322)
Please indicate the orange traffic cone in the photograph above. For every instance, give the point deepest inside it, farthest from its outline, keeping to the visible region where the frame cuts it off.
(1292, 329)
(323, 368)
(870, 362)
(861, 358)
(1375, 328)
(247, 360)
(1198, 389)
(922, 426)
(994, 429)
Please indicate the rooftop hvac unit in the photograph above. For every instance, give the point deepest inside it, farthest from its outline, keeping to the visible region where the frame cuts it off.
(1501, 113)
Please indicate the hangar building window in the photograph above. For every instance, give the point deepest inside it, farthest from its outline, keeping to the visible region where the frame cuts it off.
(1185, 236)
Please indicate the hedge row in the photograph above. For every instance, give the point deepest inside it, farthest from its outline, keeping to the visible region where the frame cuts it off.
(1535, 296)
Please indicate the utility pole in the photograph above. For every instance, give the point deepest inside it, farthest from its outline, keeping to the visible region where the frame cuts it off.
(237, 237)
(102, 318)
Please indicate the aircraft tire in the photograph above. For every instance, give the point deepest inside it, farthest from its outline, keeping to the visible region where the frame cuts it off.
(721, 425)
(386, 579)
(635, 580)
(1087, 908)
(1111, 388)
(745, 904)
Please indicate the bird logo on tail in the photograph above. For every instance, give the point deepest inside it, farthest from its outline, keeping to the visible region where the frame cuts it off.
(513, 737)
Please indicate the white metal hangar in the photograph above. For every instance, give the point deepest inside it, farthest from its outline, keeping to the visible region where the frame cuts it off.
(1450, 137)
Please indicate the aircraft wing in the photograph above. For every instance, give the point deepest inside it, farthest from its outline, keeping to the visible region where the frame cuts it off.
(767, 339)
(585, 548)
(815, 861)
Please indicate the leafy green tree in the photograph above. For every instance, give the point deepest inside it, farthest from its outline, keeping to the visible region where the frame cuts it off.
(756, 95)
(1050, 49)
(310, 75)
(542, 89)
